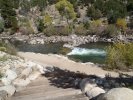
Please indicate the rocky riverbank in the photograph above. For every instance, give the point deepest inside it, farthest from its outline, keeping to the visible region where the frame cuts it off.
(72, 40)
(16, 73)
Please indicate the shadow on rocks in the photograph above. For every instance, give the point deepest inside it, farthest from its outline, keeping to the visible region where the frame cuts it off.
(68, 79)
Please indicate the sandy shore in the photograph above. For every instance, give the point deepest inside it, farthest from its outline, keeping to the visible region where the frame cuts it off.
(64, 63)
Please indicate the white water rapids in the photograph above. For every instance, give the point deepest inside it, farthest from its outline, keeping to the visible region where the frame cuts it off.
(84, 51)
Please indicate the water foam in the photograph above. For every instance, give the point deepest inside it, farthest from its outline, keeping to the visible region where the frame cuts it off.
(84, 51)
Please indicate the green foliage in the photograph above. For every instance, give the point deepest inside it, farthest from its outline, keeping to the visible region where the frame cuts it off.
(3, 49)
(120, 56)
(66, 9)
(15, 3)
(3, 59)
(41, 26)
(114, 10)
(1, 25)
(64, 51)
(26, 5)
(121, 23)
(94, 13)
(40, 3)
(130, 5)
(96, 23)
(110, 31)
(99, 4)
(8, 48)
(26, 26)
(61, 30)
(87, 25)
(47, 19)
(8, 13)
(1, 75)
(80, 30)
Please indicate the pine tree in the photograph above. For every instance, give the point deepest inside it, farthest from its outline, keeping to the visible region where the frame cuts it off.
(8, 13)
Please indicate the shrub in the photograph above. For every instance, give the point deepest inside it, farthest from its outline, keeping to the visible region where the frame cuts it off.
(64, 51)
(3, 59)
(65, 30)
(131, 23)
(61, 30)
(80, 30)
(48, 31)
(47, 20)
(120, 56)
(94, 13)
(110, 31)
(96, 23)
(3, 49)
(87, 25)
(121, 23)
(8, 48)
(41, 26)
(96, 27)
(1, 25)
(25, 26)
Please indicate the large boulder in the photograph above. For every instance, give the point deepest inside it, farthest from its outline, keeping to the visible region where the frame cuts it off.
(117, 94)
(11, 75)
(94, 92)
(25, 73)
(21, 82)
(40, 68)
(6, 81)
(34, 75)
(89, 87)
(3, 95)
(30, 64)
(86, 85)
(9, 89)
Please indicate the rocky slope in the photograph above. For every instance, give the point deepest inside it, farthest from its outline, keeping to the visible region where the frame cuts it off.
(17, 73)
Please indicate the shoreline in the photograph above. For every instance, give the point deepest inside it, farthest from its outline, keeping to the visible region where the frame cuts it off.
(65, 63)
(71, 40)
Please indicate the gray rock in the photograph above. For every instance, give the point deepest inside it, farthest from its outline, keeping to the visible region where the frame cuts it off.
(30, 64)
(34, 75)
(40, 68)
(94, 92)
(86, 85)
(117, 94)
(3, 95)
(21, 82)
(25, 73)
(11, 75)
(2, 54)
(6, 81)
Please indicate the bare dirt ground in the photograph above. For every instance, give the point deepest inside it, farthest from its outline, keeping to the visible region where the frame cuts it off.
(64, 63)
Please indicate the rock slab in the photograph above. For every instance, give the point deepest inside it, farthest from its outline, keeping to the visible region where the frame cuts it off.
(117, 94)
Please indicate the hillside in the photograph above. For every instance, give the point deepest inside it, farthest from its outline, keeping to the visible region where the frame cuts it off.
(106, 18)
